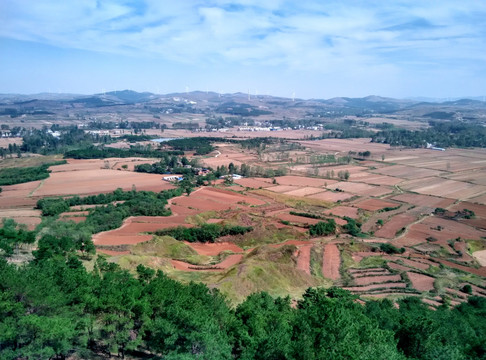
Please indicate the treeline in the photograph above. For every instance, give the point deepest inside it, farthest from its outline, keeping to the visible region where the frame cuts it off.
(442, 134)
(17, 175)
(168, 165)
(204, 233)
(44, 142)
(200, 145)
(111, 216)
(54, 308)
(12, 236)
(95, 152)
(124, 125)
(248, 171)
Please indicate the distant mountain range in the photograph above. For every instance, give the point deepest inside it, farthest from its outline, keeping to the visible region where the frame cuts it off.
(339, 105)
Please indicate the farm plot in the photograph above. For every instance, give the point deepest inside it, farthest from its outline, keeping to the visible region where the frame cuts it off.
(297, 219)
(423, 200)
(343, 211)
(345, 145)
(476, 177)
(390, 229)
(29, 217)
(84, 182)
(375, 204)
(479, 210)
(479, 199)
(375, 179)
(207, 198)
(130, 232)
(376, 279)
(421, 282)
(303, 258)
(407, 172)
(480, 257)
(254, 182)
(331, 196)
(331, 262)
(439, 230)
(15, 196)
(361, 188)
(304, 191)
(444, 188)
(284, 188)
(302, 181)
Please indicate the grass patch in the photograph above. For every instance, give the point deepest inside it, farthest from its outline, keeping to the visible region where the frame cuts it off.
(372, 261)
(316, 257)
(293, 201)
(202, 218)
(476, 245)
(31, 161)
(164, 246)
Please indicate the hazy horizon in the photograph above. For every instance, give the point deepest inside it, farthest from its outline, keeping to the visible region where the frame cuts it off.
(408, 49)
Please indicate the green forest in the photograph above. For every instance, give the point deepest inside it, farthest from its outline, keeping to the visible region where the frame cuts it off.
(53, 307)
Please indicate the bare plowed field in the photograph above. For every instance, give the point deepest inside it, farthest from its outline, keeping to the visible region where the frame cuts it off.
(476, 177)
(345, 145)
(343, 211)
(407, 172)
(421, 282)
(331, 196)
(423, 200)
(331, 262)
(305, 191)
(367, 280)
(14, 196)
(303, 258)
(374, 204)
(375, 179)
(302, 181)
(297, 219)
(213, 249)
(361, 189)
(440, 229)
(392, 285)
(284, 188)
(480, 256)
(479, 199)
(444, 188)
(479, 210)
(98, 181)
(254, 182)
(397, 222)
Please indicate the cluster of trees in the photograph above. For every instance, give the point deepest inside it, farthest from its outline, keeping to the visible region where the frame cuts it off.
(249, 171)
(200, 145)
(125, 125)
(443, 134)
(111, 216)
(102, 152)
(185, 125)
(204, 233)
(19, 175)
(12, 235)
(54, 308)
(323, 228)
(168, 165)
(44, 142)
(241, 109)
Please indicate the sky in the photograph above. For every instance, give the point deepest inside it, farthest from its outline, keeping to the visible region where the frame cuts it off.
(310, 48)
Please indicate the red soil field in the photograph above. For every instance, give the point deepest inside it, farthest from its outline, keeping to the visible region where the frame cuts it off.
(331, 262)
(407, 262)
(395, 224)
(367, 271)
(343, 211)
(374, 204)
(399, 267)
(254, 182)
(98, 181)
(331, 196)
(421, 282)
(297, 219)
(449, 229)
(366, 280)
(444, 187)
(305, 191)
(229, 261)
(376, 286)
(361, 188)
(283, 188)
(406, 172)
(15, 196)
(303, 258)
(129, 232)
(479, 199)
(375, 179)
(213, 249)
(303, 181)
(479, 210)
(423, 200)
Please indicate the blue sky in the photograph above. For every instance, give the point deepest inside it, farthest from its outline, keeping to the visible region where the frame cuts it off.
(317, 49)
